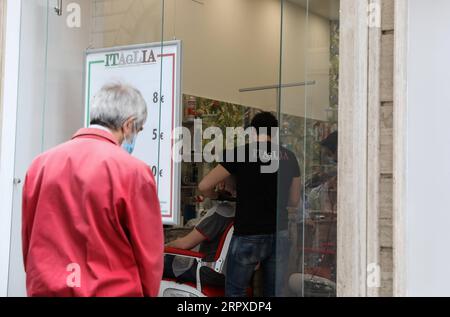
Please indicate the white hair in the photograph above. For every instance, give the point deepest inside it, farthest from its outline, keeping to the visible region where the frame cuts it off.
(115, 103)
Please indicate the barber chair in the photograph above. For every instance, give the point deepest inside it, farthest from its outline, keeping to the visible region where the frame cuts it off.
(173, 288)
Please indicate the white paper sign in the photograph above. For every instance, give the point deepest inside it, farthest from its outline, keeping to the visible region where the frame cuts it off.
(154, 69)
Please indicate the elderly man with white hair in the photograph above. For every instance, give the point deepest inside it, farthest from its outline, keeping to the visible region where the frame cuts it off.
(91, 220)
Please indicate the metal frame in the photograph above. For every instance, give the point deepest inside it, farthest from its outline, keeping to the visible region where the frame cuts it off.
(400, 145)
(59, 7)
(8, 142)
(301, 84)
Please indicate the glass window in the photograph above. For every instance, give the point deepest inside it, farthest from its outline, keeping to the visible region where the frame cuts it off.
(51, 106)
(240, 57)
(308, 108)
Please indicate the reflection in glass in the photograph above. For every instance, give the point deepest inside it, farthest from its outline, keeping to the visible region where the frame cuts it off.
(51, 97)
(308, 127)
(228, 45)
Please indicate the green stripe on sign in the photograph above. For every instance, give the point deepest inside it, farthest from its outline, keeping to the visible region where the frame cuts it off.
(89, 90)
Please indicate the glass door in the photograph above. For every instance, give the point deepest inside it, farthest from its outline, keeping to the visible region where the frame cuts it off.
(240, 57)
(55, 36)
(31, 101)
(308, 105)
(230, 54)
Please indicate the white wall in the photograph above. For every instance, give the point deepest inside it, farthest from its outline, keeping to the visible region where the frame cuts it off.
(231, 44)
(306, 56)
(428, 155)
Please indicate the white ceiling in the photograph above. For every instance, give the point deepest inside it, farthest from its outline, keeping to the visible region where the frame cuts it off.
(326, 8)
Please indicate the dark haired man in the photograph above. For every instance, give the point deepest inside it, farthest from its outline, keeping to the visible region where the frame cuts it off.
(262, 194)
(330, 144)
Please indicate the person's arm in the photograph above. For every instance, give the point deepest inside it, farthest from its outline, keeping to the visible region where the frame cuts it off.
(295, 189)
(209, 182)
(294, 193)
(189, 241)
(144, 224)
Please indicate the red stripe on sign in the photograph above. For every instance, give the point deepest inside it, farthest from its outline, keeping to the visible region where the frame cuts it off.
(173, 55)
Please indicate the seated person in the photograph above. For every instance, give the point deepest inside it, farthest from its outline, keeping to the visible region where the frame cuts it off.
(321, 187)
(206, 238)
(322, 196)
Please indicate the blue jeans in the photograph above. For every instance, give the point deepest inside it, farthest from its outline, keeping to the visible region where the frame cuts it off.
(244, 255)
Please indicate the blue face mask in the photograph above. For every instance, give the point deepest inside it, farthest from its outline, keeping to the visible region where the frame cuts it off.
(130, 145)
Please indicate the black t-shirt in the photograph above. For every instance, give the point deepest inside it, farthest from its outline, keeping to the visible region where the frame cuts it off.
(261, 195)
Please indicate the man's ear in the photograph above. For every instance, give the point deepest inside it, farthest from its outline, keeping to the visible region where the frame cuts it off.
(128, 125)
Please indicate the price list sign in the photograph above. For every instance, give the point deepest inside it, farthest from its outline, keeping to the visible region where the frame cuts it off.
(155, 70)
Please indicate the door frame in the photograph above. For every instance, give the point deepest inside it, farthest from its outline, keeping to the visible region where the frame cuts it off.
(352, 226)
(400, 146)
(11, 29)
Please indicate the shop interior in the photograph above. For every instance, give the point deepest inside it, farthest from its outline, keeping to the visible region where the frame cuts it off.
(239, 57)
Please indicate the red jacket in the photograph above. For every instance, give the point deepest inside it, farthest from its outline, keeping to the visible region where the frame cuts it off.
(91, 221)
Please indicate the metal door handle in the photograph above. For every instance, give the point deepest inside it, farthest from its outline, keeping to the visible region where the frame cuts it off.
(59, 7)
